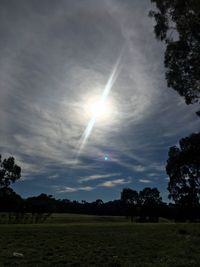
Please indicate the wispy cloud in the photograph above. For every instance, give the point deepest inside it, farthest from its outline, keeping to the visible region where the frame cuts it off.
(108, 184)
(67, 189)
(145, 181)
(53, 176)
(157, 166)
(152, 174)
(97, 177)
(113, 183)
(139, 168)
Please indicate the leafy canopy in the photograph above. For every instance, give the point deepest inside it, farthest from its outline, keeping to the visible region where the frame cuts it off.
(146, 197)
(178, 25)
(183, 168)
(9, 172)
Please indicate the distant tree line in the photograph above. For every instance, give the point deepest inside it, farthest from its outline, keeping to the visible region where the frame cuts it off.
(140, 207)
(146, 207)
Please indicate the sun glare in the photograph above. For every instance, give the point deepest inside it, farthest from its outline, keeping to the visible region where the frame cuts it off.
(99, 109)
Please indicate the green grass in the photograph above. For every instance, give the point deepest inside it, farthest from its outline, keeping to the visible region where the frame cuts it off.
(101, 244)
(55, 218)
(79, 218)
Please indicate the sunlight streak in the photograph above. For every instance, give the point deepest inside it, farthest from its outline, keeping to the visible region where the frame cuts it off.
(102, 101)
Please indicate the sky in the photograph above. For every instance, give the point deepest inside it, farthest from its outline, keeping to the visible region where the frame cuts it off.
(84, 105)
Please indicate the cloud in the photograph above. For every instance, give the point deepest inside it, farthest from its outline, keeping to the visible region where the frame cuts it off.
(107, 184)
(157, 166)
(53, 176)
(114, 183)
(153, 174)
(97, 177)
(67, 189)
(139, 168)
(145, 181)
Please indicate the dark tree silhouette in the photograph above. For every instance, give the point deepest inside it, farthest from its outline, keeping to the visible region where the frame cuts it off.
(150, 197)
(144, 206)
(130, 200)
(150, 203)
(129, 196)
(178, 24)
(9, 172)
(183, 168)
(10, 201)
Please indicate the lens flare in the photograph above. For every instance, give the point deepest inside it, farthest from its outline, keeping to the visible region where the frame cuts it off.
(102, 110)
(99, 107)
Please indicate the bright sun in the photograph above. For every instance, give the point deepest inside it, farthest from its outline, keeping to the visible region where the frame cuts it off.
(99, 109)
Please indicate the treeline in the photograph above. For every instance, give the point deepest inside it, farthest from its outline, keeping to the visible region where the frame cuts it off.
(12, 202)
(143, 206)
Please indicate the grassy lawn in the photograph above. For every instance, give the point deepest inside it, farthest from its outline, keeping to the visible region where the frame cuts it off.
(101, 244)
(58, 218)
(79, 218)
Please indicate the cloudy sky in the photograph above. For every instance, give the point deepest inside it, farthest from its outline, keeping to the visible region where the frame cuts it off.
(84, 106)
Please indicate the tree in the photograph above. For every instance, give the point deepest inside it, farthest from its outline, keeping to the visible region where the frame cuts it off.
(130, 200)
(129, 196)
(178, 24)
(150, 197)
(41, 204)
(150, 202)
(10, 201)
(9, 172)
(183, 168)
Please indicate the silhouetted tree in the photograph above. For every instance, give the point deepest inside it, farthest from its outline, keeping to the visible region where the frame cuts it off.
(41, 207)
(130, 199)
(9, 172)
(10, 201)
(150, 197)
(178, 24)
(150, 203)
(183, 168)
(129, 196)
(40, 204)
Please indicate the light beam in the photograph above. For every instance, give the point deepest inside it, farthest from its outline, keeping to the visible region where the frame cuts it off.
(102, 101)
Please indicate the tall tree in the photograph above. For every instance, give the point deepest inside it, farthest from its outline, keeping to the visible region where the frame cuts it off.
(183, 168)
(130, 200)
(129, 196)
(9, 172)
(150, 197)
(178, 24)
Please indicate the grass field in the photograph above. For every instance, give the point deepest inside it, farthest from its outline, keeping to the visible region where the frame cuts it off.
(101, 244)
(57, 218)
(78, 218)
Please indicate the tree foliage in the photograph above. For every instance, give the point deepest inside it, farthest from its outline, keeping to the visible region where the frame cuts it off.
(144, 203)
(9, 172)
(150, 197)
(183, 168)
(178, 24)
(146, 197)
(129, 196)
